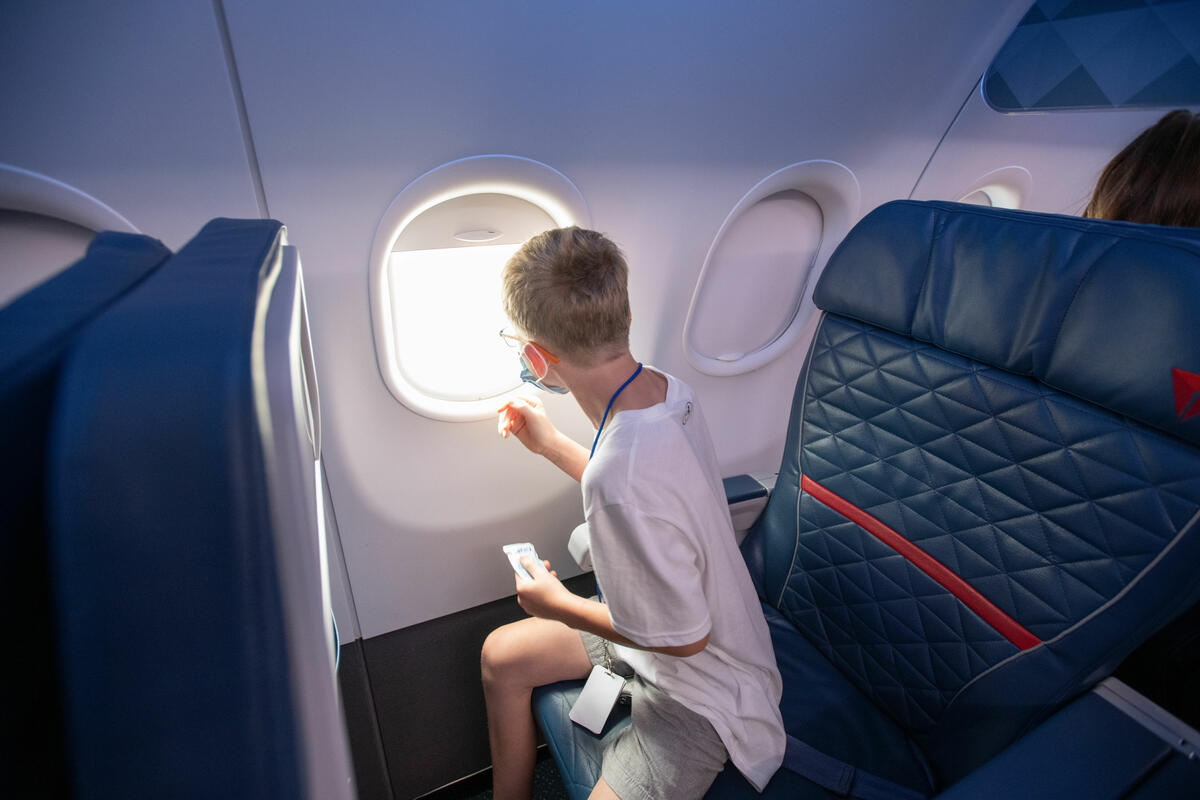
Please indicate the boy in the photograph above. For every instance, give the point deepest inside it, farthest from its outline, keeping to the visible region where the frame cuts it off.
(678, 604)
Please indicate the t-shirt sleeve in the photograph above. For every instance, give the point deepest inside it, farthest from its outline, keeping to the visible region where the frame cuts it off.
(650, 577)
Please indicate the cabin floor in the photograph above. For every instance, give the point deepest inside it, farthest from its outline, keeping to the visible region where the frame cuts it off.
(547, 783)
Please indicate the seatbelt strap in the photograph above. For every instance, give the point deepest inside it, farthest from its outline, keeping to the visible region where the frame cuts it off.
(839, 777)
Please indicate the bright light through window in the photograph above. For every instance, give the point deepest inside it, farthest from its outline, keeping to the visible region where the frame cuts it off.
(447, 312)
(435, 279)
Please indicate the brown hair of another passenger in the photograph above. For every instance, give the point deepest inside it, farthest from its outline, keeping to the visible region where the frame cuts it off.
(1156, 178)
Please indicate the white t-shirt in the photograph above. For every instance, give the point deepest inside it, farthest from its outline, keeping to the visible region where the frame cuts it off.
(669, 568)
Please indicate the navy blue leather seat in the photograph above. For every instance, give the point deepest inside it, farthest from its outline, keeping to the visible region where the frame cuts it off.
(184, 538)
(36, 330)
(988, 495)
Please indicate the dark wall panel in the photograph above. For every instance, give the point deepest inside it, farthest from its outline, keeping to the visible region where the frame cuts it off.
(366, 748)
(428, 700)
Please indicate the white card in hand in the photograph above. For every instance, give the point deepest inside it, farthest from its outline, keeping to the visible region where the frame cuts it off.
(597, 699)
(515, 552)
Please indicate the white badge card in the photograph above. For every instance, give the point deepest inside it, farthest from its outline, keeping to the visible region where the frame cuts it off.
(597, 699)
(515, 552)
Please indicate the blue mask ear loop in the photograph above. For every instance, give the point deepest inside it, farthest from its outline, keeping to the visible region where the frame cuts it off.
(596, 441)
(529, 378)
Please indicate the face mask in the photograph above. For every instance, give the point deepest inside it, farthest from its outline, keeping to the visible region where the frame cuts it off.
(528, 377)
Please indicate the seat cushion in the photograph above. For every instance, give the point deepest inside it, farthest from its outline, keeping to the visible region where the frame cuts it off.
(577, 751)
(1089, 749)
(820, 706)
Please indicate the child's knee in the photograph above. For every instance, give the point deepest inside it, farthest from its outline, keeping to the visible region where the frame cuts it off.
(497, 657)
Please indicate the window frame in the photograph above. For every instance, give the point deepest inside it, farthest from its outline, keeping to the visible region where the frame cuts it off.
(516, 176)
(836, 191)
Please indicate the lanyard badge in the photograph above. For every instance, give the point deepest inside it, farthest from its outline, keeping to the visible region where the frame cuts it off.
(597, 699)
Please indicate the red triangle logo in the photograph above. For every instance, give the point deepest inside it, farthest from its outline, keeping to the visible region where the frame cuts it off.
(1187, 387)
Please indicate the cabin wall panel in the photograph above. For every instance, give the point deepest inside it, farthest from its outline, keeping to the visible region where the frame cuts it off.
(34, 247)
(1064, 152)
(130, 103)
(663, 117)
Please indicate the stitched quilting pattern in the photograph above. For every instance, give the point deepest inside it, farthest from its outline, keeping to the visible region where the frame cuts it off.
(905, 639)
(1046, 505)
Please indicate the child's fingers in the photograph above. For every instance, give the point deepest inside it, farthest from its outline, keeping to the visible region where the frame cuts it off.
(509, 420)
(515, 423)
(504, 425)
(534, 567)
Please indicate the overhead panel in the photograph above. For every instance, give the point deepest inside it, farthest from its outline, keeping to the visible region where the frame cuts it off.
(1081, 54)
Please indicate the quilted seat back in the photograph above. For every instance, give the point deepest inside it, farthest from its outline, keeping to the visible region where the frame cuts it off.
(991, 481)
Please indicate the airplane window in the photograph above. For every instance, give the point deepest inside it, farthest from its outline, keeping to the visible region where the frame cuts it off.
(448, 260)
(754, 294)
(436, 270)
(1102, 55)
(428, 283)
(978, 198)
(761, 264)
(1006, 187)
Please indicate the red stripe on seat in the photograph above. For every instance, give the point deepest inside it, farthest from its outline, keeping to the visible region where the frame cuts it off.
(1006, 625)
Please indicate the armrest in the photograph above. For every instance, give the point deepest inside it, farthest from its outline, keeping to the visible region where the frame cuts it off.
(1109, 743)
(747, 496)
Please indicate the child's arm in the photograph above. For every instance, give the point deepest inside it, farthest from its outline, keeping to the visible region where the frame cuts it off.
(544, 596)
(526, 419)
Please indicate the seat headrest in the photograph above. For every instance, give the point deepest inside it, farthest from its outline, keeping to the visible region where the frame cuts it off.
(1106, 311)
(39, 323)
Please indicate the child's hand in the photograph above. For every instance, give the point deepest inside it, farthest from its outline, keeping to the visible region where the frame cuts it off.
(543, 595)
(525, 418)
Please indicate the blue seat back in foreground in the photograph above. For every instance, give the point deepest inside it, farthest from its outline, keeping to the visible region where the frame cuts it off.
(36, 330)
(186, 544)
(991, 479)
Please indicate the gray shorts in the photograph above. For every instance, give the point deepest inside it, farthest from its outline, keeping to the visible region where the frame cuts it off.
(668, 752)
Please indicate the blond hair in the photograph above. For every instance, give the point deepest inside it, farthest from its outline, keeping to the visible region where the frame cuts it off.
(567, 289)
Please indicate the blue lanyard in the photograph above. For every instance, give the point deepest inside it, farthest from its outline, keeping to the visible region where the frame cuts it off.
(596, 441)
(608, 408)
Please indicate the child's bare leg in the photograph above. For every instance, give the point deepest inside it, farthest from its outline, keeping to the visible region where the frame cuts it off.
(602, 791)
(516, 658)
